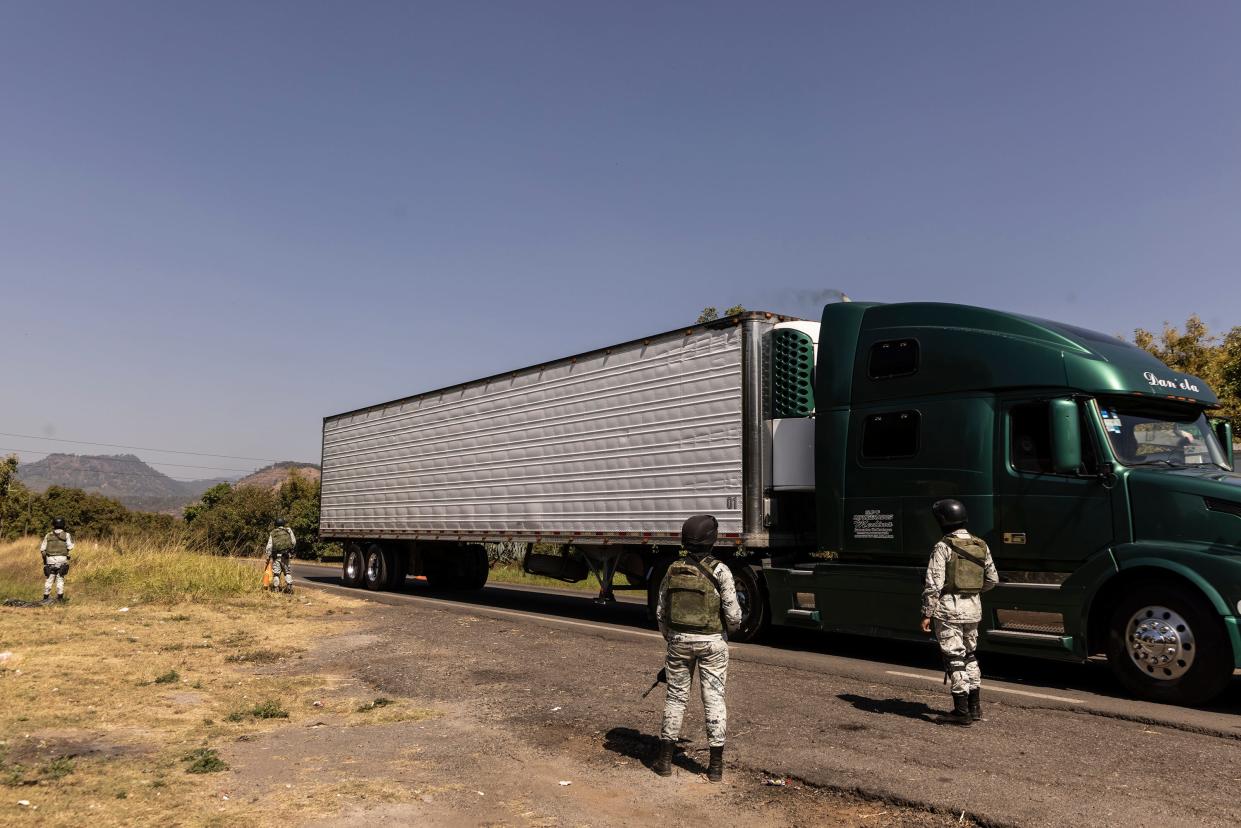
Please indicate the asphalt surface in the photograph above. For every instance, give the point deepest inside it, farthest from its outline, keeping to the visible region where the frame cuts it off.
(1061, 744)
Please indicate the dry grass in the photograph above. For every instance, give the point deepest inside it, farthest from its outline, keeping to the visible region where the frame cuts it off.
(515, 575)
(138, 572)
(103, 714)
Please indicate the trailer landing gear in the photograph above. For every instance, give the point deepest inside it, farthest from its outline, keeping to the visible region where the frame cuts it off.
(603, 565)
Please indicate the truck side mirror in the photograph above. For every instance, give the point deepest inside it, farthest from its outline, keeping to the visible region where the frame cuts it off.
(1223, 430)
(1066, 436)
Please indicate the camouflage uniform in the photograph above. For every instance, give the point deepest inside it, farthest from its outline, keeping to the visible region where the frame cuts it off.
(55, 550)
(706, 652)
(278, 552)
(955, 617)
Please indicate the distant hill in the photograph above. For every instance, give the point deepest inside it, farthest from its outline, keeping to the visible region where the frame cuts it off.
(122, 477)
(270, 477)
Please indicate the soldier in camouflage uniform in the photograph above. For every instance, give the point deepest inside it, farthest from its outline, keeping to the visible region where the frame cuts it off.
(280, 545)
(697, 606)
(960, 570)
(55, 549)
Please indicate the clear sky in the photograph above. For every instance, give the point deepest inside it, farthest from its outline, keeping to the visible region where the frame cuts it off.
(221, 221)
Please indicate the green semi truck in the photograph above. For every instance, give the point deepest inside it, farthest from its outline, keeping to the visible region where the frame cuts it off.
(1093, 470)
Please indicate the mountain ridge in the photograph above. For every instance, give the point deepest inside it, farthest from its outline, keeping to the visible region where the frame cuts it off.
(132, 481)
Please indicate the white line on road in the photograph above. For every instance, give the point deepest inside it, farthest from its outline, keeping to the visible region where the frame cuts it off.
(991, 688)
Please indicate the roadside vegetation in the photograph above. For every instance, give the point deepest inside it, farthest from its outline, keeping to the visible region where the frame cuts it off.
(1195, 350)
(136, 571)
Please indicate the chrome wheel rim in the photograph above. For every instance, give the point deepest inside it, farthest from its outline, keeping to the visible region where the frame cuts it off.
(352, 565)
(1161, 643)
(372, 567)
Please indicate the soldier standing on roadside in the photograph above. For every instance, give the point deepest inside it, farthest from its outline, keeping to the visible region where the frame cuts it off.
(960, 570)
(55, 549)
(697, 606)
(280, 545)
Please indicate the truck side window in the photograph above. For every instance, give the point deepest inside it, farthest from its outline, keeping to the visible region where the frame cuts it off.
(893, 358)
(1030, 429)
(1030, 434)
(890, 435)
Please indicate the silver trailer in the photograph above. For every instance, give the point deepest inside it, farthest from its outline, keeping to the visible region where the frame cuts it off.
(594, 461)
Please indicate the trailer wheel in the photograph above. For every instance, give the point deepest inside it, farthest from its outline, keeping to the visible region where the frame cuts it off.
(1166, 644)
(753, 599)
(353, 566)
(378, 567)
(476, 569)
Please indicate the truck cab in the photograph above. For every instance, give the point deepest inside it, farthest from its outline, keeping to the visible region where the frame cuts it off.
(1092, 470)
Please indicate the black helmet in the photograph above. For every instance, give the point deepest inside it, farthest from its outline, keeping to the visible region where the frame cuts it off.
(279, 522)
(698, 533)
(58, 523)
(950, 514)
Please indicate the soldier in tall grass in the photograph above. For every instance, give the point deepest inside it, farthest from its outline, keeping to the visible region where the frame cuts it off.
(280, 545)
(55, 549)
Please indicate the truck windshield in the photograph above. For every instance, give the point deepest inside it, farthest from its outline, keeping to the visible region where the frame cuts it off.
(1146, 433)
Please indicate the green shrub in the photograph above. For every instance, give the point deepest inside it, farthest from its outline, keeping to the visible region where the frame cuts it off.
(204, 760)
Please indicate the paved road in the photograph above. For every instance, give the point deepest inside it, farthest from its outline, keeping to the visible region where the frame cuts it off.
(1061, 745)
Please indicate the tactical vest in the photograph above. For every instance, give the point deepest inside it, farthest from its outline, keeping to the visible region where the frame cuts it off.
(56, 545)
(692, 604)
(963, 575)
(281, 540)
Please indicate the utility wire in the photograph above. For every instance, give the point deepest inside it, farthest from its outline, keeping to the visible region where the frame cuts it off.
(153, 475)
(140, 448)
(114, 459)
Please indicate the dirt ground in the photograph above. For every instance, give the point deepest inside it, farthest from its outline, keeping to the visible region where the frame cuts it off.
(382, 727)
(466, 766)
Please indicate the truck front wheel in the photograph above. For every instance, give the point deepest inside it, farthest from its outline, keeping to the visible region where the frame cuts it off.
(1165, 644)
(353, 566)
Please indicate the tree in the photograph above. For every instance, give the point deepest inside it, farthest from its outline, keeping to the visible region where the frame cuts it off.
(236, 520)
(710, 314)
(299, 506)
(1196, 351)
(8, 468)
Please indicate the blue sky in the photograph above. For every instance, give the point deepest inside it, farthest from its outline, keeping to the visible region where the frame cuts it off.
(222, 221)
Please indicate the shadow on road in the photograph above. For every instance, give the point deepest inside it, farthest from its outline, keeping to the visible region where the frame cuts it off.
(634, 744)
(896, 707)
(1092, 677)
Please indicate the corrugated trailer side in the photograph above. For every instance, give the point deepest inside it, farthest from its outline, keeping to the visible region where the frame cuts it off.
(617, 444)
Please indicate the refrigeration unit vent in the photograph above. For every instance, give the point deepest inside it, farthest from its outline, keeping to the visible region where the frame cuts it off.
(792, 372)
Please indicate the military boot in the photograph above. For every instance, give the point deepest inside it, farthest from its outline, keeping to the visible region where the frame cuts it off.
(976, 705)
(960, 713)
(715, 770)
(60, 598)
(47, 598)
(663, 762)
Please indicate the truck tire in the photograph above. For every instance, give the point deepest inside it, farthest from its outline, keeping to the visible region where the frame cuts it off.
(476, 570)
(1166, 644)
(353, 566)
(752, 595)
(378, 571)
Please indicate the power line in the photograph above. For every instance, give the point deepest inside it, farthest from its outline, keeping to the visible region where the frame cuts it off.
(114, 459)
(152, 475)
(139, 448)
